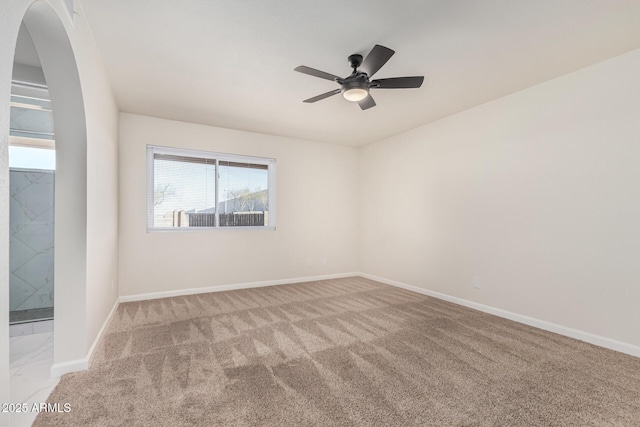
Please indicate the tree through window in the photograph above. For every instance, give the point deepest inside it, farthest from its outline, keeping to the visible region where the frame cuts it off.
(196, 189)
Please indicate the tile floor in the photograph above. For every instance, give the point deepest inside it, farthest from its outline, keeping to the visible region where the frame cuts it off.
(30, 328)
(31, 360)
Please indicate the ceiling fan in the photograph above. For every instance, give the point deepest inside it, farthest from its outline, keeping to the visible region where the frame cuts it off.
(356, 87)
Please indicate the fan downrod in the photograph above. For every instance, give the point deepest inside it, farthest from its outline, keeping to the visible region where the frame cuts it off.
(355, 61)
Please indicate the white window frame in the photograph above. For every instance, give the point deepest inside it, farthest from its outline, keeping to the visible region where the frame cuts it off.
(218, 157)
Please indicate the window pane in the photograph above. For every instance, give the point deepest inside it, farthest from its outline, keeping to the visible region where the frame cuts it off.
(183, 192)
(244, 195)
(32, 158)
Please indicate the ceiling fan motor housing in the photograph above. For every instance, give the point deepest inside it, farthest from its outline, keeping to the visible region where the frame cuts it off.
(355, 87)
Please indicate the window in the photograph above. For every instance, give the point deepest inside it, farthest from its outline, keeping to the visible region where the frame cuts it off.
(32, 158)
(31, 137)
(192, 190)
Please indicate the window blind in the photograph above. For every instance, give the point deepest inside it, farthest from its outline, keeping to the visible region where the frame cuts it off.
(189, 189)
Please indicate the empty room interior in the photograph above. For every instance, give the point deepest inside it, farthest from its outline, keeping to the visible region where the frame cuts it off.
(281, 213)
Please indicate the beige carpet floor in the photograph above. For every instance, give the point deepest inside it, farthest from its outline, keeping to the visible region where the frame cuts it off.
(347, 352)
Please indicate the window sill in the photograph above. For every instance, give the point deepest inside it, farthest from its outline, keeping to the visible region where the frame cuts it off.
(197, 229)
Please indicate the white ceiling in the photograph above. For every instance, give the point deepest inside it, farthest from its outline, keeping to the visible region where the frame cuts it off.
(230, 63)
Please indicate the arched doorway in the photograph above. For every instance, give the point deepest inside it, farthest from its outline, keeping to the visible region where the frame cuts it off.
(44, 21)
(60, 70)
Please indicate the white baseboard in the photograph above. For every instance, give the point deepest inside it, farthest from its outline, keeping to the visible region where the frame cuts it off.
(233, 287)
(104, 327)
(59, 369)
(598, 340)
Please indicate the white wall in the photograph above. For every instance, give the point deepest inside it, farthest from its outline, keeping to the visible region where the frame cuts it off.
(90, 294)
(316, 191)
(535, 194)
(102, 115)
(10, 20)
(28, 73)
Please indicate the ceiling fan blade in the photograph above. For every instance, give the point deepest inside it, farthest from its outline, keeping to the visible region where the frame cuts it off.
(315, 73)
(398, 83)
(323, 96)
(367, 103)
(378, 56)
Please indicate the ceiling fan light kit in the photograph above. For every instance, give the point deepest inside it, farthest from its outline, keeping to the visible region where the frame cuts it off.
(355, 88)
(355, 94)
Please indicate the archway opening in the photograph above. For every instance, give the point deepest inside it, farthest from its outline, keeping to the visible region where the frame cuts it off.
(31, 178)
(43, 21)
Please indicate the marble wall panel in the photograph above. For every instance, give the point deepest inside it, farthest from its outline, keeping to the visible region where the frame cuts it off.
(31, 246)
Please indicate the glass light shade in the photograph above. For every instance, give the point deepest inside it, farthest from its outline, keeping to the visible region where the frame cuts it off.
(355, 94)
